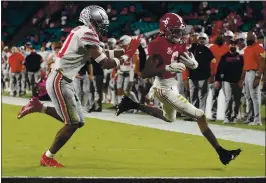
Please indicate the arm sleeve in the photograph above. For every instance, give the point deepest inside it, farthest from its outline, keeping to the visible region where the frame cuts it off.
(89, 38)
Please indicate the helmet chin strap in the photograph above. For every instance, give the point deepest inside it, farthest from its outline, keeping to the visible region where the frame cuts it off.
(174, 40)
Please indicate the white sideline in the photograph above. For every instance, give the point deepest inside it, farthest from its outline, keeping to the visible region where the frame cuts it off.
(43, 177)
(222, 132)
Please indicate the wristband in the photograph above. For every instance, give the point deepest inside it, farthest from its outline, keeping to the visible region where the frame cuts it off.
(100, 58)
(117, 61)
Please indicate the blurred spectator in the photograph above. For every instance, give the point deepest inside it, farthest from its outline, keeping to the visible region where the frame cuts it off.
(198, 78)
(82, 86)
(254, 65)
(15, 61)
(33, 64)
(218, 50)
(42, 92)
(23, 73)
(98, 87)
(53, 56)
(44, 55)
(229, 71)
(5, 66)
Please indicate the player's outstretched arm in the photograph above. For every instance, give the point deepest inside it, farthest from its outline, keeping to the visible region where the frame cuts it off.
(100, 57)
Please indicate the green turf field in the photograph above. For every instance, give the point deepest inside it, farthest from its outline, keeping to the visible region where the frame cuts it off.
(103, 148)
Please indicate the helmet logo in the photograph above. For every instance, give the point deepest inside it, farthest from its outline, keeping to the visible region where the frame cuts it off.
(166, 21)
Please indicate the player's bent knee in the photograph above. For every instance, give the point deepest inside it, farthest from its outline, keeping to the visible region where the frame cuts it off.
(75, 125)
(169, 119)
(199, 113)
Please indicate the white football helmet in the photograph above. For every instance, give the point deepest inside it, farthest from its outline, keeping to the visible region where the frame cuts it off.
(229, 34)
(203, 38)
(111, 42)
(125, 40)
(143, 42)
(96, 17)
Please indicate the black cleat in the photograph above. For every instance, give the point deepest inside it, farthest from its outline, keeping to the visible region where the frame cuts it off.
(125, 105)
(227, 156)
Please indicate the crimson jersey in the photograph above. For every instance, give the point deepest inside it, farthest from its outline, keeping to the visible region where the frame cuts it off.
(168, 51)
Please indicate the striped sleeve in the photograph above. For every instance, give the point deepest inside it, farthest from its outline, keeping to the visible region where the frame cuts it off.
(90, 38)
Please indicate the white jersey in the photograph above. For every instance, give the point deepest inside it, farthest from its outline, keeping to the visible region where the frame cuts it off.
(128, 65)
(74, 54)
(242, 51)
(4, 60)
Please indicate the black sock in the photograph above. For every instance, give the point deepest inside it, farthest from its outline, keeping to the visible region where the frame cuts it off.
(212, 139)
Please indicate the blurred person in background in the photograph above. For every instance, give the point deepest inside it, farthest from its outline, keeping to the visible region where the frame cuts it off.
(229, 71)
(113, 87)
(82, 85)
(33, 65)
(198, 78)
(28, 48)
(219, 48)
(51, 58)
(42, 92)
(228, 36)
(97, 76)
(23, 73)
(263, 90)
(241, 39)
(111, 45)
(183, 78)
(125, 73)
(6, 67)
(44, 55)
(15, 61)
(254, 65)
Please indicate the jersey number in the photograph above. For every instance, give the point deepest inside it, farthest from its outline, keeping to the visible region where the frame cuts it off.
(174, 57)
(66, 43)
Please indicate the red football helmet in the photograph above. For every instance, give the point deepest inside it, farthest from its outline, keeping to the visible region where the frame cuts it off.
(173, 27)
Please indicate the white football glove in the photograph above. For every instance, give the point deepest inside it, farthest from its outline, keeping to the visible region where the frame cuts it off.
(189, 62)
(175, 67)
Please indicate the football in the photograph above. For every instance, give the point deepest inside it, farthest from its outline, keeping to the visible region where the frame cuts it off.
(188, 63)
(183, 54)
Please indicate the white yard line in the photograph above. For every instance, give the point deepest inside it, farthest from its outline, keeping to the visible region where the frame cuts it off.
(49, 177)
(222, 132)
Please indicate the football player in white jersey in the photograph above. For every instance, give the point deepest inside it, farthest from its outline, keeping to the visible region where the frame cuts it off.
(81, 45)
(111, 44)
(125, 73)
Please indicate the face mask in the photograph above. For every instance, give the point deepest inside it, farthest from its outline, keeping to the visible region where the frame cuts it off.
(250, 42)
(233, 49)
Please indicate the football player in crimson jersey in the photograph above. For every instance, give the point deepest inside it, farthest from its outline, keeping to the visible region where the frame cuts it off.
(162, 63)
(82, 44)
